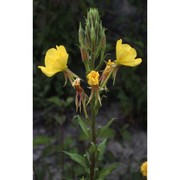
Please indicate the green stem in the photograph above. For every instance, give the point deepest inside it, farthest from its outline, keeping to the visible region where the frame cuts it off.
(62, 148)
(93, 140)
(105, 82)
(101, 60)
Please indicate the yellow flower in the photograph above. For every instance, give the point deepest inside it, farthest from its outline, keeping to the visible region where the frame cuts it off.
(125, 55)
(93, 78)
(144, 169)
(55, 61)
(93, 81)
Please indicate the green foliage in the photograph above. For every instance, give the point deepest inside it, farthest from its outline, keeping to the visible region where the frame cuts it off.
(83, 126)
(124, 132)
(60, 102)
(107, 170)
(49, 19)
(53, 24)
(101, 149)
(105, 130)
(41, 139)
(78, 158)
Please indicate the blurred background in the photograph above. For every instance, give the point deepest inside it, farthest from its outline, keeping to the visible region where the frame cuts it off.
(56, 22)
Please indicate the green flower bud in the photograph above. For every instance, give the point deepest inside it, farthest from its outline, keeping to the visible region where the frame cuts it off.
(84, 54)
(81, 34)
(103, 40)
(93, 35)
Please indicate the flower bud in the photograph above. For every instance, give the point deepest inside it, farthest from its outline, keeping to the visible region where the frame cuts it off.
(93, 36)
(93, 78)
(81, 35)
(84, 54)
(103, 40)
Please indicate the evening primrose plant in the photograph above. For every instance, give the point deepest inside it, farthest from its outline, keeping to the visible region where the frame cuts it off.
(92, 45)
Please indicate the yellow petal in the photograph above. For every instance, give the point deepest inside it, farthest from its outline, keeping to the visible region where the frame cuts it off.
(61, 63)
(63, 57)
(132, 63)
(123, 50)
(48, 72)
(51, 56)
(125, 55)
(118, 48)
(93, 78)
(56, 59)
(128, 56)
(61, 49)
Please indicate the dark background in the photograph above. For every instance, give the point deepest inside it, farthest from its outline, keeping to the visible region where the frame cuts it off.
(56, 22)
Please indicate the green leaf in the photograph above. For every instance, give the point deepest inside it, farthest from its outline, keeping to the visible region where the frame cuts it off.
(69, 101)
(101, 149)
(39, 140)
(124, 132)
(83, 126)
(55, 100)
(107, 170)
(104, 128)
(60, 119)
(109, 133)
(78, 158)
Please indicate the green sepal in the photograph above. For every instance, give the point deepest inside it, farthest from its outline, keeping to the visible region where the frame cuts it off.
(107, 170)
(77, 158)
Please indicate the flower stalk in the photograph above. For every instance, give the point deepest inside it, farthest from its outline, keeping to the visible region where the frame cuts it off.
(92, 44)
(93, 139)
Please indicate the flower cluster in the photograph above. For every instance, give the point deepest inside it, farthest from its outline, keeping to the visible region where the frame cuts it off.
(92, 44)
(92, 41)
(56, 61)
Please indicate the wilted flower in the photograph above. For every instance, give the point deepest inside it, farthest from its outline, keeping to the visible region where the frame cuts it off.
(107, 73)
(80, 95)
(144, 169)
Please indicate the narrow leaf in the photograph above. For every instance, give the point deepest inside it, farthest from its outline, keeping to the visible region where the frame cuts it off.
(55, 100)
(39, 140)
(104, 128)
(83, 126)
(109, 133)
(78, 158)
(107, 170)
(101, 149)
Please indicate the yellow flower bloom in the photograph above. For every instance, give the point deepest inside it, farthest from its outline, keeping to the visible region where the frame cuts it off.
(144, 169)
(93, 81)
(93, 78)
(125, 55)
(55, 61)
